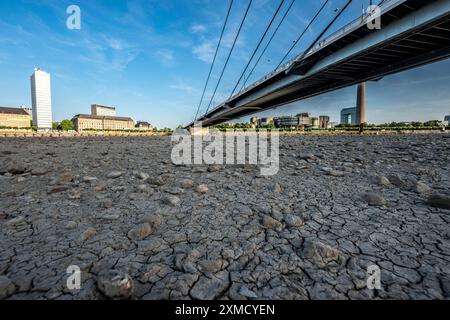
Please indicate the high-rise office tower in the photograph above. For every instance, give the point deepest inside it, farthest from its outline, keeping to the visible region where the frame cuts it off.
(41, 98)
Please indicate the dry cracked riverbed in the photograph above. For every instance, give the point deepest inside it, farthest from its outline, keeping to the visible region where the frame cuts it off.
(139, 227)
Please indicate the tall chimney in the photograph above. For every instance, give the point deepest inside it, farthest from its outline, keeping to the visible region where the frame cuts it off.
(361, 104)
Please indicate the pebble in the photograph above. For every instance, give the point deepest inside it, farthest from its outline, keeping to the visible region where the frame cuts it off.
(107, 203)
(374, 199)
(271, 223)
(154, 220)
(203, 188)
(293, 220)
(383, 181)
(7, 287)
(336, 173)
(88, 234)
(186, 183)
(171, 200)
(396, 180)
(114, 174)
(115, 285)
(71, 225)
(422, 188)
(439, 201)
(88, 179)
(64, 178)
(321, 254)
(140, 232)
(143, 176)
(39, 171)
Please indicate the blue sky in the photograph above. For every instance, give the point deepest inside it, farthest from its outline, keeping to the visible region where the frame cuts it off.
(150, 58)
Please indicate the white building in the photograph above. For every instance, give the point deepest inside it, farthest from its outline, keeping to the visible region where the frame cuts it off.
(41, 98)
(103, 111)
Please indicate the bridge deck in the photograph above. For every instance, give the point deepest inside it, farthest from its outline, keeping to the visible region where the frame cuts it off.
(413, 33)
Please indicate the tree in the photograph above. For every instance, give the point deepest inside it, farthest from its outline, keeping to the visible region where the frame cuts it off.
(65, 125)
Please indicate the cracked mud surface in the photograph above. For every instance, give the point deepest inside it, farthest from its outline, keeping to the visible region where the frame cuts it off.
(338, 205)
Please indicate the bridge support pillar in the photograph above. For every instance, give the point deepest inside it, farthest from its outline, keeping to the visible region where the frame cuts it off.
(361, 104)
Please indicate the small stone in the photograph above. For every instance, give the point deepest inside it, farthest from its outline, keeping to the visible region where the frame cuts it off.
(336, 173)
(143, 176)
(39, 171)
(422, 188)
(71, 225)
(307, 156)
(88, 234)
(383, 181)
(293, 220)
(153, 220)
(171, 200)
(107, 203)
(12, 166)
(245, 292)
(175, 191)
(100, 188)
(373, 199)
(186, 183)
(141, 232)
(439, 201)
(396, 180)
(271, 223)
(115, 285)
(21, 179)
(114, 174)
(211, 265)
(65, 178)
(321, 254)
(75, 195)
(110, 217)
(161, 180)
(7, 287)
(214, 168)
(203, 188)
(88, 179)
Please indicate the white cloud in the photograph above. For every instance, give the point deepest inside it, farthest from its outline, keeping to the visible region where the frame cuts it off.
(115, 44)
(198, 28)
(182, 86)
(166, 57)
(205, 51)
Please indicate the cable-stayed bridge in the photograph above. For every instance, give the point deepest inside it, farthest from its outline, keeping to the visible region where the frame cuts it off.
(412, 33)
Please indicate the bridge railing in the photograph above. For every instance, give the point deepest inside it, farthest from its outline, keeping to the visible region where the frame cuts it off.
(364, 18)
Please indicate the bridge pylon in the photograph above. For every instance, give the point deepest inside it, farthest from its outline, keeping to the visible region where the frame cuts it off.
(361, 104)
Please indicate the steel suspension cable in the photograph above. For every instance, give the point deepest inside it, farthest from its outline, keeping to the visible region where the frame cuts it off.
(257, 47)
(214, 59)
(229, 55)
(302, 34)
(268, 43)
